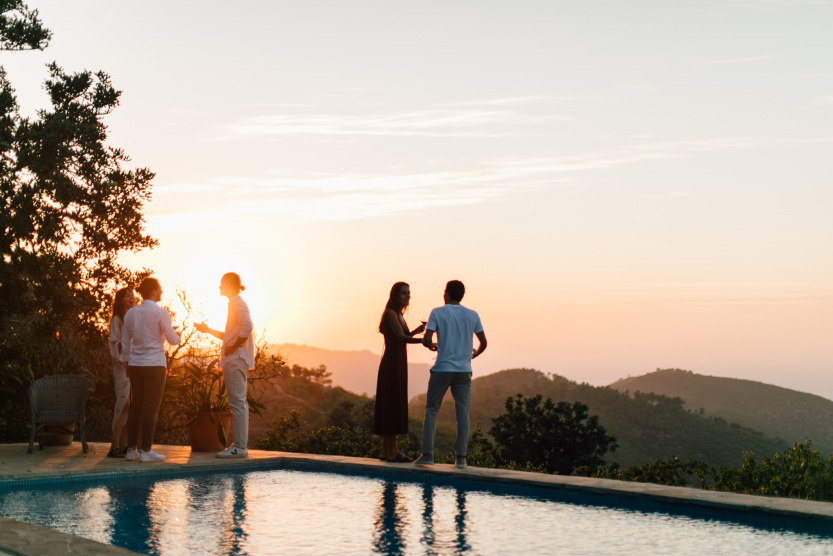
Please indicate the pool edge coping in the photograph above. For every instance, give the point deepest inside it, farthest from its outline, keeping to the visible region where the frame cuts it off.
(743, 503)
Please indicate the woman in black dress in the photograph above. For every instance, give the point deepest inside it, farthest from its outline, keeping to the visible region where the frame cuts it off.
(392, 384)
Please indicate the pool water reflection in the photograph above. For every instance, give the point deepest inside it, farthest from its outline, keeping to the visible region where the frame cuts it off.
(301, 512)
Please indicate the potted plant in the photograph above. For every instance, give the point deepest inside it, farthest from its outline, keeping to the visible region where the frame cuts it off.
(198, 393)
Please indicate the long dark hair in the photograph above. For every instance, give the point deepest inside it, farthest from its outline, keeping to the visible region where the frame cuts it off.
(393, 302)
(118, 303)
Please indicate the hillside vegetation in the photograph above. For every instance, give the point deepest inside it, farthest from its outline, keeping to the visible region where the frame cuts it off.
(352, 370)
(776, 412)
(647, 426)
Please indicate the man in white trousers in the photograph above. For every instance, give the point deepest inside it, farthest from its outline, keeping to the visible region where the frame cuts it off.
(237, 357)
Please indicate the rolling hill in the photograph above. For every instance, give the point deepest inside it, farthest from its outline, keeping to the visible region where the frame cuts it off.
(647, 426)
(352, 370)
(775, 411)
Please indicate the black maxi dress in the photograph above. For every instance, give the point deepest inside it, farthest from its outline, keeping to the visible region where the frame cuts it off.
(392, 387)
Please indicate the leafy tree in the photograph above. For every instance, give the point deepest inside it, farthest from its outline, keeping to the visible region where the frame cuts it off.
(348, 413)
(68, 207)
(20, 27)
(558, 437)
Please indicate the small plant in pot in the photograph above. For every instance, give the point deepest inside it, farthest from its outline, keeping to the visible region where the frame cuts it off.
(198, 394)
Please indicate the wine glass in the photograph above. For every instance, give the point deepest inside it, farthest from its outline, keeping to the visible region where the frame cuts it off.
(423, 316)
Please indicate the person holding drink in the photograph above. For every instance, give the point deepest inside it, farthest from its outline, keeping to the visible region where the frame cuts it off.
(391, 417)
(236, 358)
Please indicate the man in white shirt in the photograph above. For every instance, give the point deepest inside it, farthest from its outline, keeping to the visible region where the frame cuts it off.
(454, 325)
(236, 358)
(146, 328)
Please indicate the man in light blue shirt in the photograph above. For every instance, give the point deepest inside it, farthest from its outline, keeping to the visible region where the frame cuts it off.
(455, 327)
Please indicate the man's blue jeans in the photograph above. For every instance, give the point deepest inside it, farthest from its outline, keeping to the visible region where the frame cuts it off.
(438, 384)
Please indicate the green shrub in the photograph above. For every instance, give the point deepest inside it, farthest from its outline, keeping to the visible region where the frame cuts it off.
(800, 472)
(672, 472)
(292, 435)
(557, 437)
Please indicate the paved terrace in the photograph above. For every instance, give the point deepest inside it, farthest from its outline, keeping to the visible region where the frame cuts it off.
(18, 468)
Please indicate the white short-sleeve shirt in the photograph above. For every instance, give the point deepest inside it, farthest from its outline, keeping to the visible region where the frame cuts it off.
(455, 326)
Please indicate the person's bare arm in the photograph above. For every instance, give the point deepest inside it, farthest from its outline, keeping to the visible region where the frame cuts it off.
(481, 337)
(205, 329)
(395, 326)
(428, 340)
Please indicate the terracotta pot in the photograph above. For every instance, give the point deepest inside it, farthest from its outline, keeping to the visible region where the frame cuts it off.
(58, 435)
(203, 433)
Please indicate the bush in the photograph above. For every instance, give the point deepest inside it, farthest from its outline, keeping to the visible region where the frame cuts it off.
(555, 437)
(292, 435)
(672, 472)
(800, 472)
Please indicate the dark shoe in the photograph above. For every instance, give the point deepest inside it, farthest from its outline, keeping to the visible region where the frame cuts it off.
(383, 458)
(400, 458)
(116, 453)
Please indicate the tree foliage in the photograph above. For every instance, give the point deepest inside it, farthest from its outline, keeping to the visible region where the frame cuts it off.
(68, 206)
(20, 27)
(558, 437)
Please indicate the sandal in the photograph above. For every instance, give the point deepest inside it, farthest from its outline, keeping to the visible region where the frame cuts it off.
(400, 458)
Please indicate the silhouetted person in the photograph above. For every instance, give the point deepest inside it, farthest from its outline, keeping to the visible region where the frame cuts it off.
(237, 357)
(123, 301)
(455, 327)
(146, 328)
(391, 417)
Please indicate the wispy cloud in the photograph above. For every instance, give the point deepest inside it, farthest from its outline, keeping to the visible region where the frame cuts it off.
(429, 123)
(738, 60)
(639, 87)
(671, 195)
(499, 101)
(176, 188)
(350, 196)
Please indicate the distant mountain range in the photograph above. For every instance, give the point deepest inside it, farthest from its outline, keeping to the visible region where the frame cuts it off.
(678, 413)
(777, 412)
(352, 370)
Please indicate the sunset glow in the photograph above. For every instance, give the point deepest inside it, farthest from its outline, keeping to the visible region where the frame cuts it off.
(621, 186)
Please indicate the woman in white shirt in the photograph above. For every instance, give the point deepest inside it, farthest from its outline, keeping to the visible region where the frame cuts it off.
(123, 301)
(146, 327)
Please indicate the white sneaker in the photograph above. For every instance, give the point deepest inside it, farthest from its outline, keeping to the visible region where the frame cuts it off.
(233, 452)
(150, 456)
(132, 454)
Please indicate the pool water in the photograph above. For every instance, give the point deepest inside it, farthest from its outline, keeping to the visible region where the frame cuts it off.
(288, 511)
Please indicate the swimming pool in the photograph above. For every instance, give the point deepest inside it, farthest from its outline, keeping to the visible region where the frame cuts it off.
(307, 511)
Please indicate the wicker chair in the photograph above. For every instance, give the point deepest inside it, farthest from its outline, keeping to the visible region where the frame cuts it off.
(59, 400)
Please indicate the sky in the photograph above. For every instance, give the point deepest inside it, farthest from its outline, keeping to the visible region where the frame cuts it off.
(622, 186)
